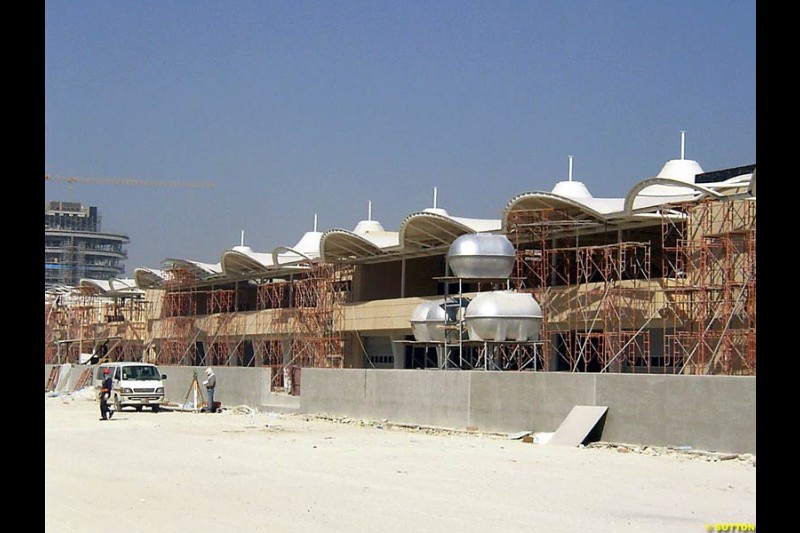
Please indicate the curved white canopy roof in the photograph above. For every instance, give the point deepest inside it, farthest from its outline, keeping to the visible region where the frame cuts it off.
(242, 260)
(307, 248)
(113, 286)
(368, 239)
(432, 228)
(677, 171)
(637, 200)
(674, 184)
(101, 286)
(148, 277)
(196, 268)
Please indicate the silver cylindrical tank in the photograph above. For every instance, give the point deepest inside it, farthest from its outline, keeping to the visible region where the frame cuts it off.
(481, 255)
(503, 316)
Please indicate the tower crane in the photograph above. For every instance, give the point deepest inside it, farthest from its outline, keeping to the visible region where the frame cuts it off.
(128, 181)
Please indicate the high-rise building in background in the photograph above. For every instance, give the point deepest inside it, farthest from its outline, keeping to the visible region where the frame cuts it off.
(75, 247)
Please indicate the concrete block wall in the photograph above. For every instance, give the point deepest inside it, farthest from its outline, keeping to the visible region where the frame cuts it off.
(408, 396)
(704, 412)
(236, 386)
(343, 392)
(513, 401)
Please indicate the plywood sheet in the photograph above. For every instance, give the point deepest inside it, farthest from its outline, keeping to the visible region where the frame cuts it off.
(580, 421)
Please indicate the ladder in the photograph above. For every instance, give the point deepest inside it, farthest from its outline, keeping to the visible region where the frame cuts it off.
(83, 379)
(52, 380)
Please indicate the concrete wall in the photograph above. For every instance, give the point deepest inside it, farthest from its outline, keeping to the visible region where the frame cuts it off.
(403, 396)
(341, 392)
(705, 412)
(408, 396)
(513, 401)
(235, 385)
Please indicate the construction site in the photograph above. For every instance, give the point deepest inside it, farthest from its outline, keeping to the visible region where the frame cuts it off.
(661, 281)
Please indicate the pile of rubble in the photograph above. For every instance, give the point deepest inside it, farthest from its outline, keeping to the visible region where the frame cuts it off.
(683, 452)
(385, 424)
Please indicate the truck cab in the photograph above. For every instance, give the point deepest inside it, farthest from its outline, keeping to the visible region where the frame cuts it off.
(136, 385)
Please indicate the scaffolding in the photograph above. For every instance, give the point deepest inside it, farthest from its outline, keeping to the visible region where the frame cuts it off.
(603, 306)
(317, 340)
(300, 320)
(178, 345)
(545, 270)
(80, 321)
(596, 299)
(710, 254)
(124, 327)
(221, 347)
(70, 325)
(273, 301)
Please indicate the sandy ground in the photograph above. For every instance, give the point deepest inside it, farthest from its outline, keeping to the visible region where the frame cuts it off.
(238, 470)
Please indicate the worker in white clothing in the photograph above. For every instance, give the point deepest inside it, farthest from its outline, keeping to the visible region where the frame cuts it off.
(210, 384)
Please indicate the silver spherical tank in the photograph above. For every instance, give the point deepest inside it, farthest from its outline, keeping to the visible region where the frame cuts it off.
(419, 324)
(428, 319)
(481, 255)
(503, 316)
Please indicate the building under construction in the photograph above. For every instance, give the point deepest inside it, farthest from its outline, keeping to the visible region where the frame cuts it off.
(75, 247)
(660, 281)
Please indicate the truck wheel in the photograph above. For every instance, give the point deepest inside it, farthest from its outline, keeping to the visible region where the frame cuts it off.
(138, 408)
(156, 408)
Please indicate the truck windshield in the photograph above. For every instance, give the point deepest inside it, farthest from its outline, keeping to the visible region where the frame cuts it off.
(141, 373)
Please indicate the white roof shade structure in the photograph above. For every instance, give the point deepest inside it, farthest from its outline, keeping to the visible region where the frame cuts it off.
(199, 270)
(58, 290)
(426, 230)
(433, 229)
(421, 231)
(146, 278)
(368, 239)
(113, 287)
(307, 248)
(242, 261)
(674, 184)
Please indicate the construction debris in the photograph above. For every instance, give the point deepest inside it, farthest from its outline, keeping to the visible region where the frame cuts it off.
(683, 452)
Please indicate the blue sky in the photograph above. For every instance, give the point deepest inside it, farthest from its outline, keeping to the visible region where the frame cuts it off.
(296, 108)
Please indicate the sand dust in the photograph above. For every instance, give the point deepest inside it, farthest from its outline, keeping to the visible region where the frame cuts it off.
(240, 470)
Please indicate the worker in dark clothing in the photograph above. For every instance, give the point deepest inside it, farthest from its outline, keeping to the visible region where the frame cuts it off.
(211, 384)
(105, 394)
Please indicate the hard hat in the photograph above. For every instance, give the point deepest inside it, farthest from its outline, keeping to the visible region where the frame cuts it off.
(208, 370)
(105, 371)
